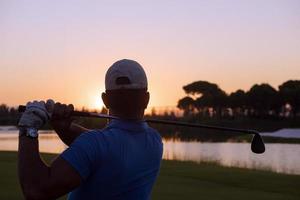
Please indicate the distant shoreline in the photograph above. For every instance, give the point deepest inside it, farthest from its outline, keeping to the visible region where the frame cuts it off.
(239, 139)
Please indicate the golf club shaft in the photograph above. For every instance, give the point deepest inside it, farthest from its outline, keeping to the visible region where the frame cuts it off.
(176, 123)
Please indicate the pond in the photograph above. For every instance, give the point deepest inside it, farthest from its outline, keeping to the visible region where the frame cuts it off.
(281, 158)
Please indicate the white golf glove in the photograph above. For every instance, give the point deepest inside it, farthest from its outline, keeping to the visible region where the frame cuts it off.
(37, 113)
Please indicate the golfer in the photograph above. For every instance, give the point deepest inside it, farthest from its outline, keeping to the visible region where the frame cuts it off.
(121, 161)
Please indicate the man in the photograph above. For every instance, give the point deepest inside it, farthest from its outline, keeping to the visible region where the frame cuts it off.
(120, 161)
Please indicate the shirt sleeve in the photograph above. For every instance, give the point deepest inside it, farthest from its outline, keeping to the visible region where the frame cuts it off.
(83, 154)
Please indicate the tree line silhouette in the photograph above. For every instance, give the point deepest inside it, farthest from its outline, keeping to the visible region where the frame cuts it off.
(208, 100)
(261, 101)
(262, 108)
(8, 115)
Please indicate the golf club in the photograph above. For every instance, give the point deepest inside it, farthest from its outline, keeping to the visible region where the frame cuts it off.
(257, 143)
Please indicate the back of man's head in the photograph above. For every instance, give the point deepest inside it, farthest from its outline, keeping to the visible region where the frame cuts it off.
(126, 89)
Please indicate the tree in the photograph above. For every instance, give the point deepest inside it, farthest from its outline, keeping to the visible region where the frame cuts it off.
(290, 93)
(4, 110)
(187, 105)
(237, 101)
(210, 95)
(263, 98)
(201, 87)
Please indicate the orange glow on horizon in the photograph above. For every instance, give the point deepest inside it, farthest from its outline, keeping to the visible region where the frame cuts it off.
(63, 55)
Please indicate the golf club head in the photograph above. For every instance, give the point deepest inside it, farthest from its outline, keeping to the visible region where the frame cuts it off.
(257, 144)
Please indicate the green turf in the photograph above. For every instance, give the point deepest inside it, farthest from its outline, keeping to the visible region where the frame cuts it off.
(187, 180)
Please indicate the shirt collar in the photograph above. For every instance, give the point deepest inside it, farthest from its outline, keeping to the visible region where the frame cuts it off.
(130, 125)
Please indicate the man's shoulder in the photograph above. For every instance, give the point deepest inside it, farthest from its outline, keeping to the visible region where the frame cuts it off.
(93, 132)
(154, 133)
(113, 132)
(94, 139)
(97, 133)
(153, 130)
(91, 135)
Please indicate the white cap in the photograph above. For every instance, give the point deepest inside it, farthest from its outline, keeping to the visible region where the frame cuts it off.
(125, 74)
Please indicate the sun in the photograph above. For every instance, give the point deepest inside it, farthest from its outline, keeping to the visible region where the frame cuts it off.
(97, 103)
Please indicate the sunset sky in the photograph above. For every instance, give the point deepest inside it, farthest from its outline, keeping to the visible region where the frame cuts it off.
(62, 49)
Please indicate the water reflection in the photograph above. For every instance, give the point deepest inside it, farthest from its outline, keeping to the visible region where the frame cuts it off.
(283, 158)
(48, 143)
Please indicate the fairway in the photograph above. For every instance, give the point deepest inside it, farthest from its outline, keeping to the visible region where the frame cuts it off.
(186, 180)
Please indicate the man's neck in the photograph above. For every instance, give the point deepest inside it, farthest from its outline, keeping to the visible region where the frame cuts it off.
(133, 116)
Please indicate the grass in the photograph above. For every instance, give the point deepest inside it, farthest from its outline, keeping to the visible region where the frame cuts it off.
(187, 180)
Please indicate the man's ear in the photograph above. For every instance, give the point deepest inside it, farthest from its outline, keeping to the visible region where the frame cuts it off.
(105, 100)
(147, 98)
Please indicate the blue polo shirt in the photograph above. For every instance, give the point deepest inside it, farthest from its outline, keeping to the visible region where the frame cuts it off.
(121, 161)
